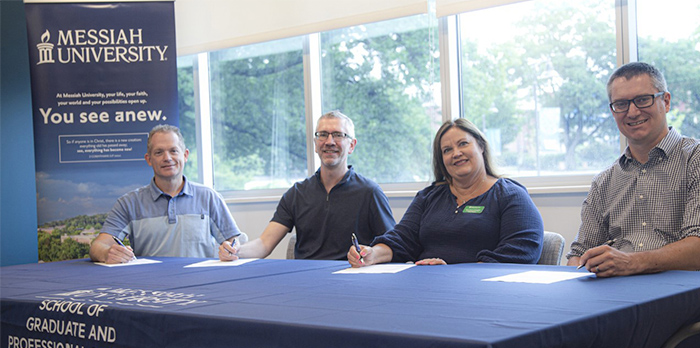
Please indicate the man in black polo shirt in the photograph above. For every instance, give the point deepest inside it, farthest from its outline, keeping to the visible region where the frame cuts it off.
(326, 208)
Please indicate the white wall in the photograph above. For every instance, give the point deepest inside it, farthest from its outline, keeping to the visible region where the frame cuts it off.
(560, 212)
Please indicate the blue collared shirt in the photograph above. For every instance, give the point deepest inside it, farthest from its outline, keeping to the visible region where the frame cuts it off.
(191, 224)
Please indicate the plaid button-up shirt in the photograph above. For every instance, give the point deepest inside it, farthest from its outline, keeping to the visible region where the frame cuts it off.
(644, 206)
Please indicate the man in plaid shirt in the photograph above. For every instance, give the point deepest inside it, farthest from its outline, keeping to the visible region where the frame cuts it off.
(642, 214)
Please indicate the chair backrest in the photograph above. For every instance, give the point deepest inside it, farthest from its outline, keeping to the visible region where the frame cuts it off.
(552, 248)
(290, 246)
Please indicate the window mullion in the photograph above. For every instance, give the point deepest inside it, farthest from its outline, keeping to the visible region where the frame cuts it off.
(450, 69)
(626, 32)
(312, 95)
(202, 95)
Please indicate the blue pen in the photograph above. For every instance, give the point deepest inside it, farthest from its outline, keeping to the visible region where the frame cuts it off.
(357, 246)
(120, 243)
(233, 243)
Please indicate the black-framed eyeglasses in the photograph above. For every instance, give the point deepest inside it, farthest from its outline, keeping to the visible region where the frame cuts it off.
(335, 135)
(642, 101)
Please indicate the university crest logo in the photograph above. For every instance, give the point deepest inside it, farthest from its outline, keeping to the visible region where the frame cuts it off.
(45, 49)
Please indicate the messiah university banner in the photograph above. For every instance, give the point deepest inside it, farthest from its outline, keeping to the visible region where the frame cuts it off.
(103, 74)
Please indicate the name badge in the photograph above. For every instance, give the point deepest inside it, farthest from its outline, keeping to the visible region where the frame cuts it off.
(473, 209)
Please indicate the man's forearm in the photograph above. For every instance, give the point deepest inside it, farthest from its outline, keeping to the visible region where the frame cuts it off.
(681, 255)
(98, 251)
(253, 249)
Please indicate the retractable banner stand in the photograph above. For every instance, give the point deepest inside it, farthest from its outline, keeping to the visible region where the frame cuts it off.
(103, 74)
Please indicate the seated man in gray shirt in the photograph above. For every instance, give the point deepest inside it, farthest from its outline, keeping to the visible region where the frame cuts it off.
(171, 216)
(326, 208)
(642, 215)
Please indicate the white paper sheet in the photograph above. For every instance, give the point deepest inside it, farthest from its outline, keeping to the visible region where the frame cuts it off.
(539, 277)
(218, 263)
(136, 262)
(380, 268)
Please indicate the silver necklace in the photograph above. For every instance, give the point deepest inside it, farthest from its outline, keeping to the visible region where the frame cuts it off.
(465, 200)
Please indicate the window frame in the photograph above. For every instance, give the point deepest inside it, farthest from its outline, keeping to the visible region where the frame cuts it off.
(450, 74)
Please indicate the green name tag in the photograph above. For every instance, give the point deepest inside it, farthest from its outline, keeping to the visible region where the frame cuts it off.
(473, 209)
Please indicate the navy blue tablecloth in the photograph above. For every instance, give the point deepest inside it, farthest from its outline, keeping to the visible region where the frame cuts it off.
(301, 303)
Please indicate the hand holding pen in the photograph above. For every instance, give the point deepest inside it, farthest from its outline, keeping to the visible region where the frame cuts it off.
(359, 256)
(228, 250)
(128, 249)
(591, 253)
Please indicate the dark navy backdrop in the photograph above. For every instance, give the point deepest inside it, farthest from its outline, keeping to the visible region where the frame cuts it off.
(103, 74)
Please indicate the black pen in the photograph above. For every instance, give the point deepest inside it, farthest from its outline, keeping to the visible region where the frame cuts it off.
(608, 243)
(357, 246)
(122, 244)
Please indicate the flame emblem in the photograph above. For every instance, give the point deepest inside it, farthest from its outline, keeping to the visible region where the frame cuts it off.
(45, 36)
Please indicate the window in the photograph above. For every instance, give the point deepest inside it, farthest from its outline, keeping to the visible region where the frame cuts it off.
(533, 80)
(258, 117)
(669, 39)
(533, 76)
(383, 76)
(186, 107)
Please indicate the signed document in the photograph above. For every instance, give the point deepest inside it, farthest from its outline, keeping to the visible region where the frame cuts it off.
(539, 277)
(136, 262)
(380, 268)
(219, 263)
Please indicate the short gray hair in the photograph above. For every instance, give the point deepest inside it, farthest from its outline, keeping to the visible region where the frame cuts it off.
(165, 128)
(349, 125)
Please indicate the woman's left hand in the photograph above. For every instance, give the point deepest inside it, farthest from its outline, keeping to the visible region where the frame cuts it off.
(434, 261)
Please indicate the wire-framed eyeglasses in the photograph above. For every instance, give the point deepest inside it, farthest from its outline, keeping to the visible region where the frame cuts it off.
(642, 101)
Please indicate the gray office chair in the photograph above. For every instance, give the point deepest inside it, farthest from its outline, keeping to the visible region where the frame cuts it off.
(290, 246)
(552, 248)
(682, 334)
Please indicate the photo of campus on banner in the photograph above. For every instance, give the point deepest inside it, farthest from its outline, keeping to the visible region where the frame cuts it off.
(102, 76)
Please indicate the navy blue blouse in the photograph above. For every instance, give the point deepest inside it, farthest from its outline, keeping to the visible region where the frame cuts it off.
(501, 225)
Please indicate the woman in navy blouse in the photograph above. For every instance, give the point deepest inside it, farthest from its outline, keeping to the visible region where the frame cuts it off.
(469, 214)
